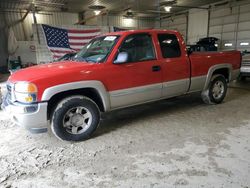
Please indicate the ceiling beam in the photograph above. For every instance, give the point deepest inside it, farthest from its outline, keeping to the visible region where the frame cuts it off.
(26, 14)
(189, 7)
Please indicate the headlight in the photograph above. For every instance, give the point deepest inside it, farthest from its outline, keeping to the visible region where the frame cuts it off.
(25, 92)
(25, 87)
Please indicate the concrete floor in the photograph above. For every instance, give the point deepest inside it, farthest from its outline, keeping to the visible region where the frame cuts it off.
(179, 142)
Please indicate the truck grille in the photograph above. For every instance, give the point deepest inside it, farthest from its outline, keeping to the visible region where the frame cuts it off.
(245, 63)
(246, 60)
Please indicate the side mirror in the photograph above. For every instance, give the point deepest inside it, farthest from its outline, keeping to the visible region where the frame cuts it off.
(122, 57)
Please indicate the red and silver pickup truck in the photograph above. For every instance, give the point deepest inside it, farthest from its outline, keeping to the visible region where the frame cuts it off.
(114, 71)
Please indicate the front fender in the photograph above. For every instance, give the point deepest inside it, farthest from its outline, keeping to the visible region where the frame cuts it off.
(94, 84)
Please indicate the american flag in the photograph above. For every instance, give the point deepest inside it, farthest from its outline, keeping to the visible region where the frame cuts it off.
(61, 41)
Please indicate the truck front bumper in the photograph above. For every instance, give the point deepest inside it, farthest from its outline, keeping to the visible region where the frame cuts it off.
(32, 117)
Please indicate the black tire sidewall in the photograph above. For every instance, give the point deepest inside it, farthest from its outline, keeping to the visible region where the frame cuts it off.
(58, 115)
(222, 79)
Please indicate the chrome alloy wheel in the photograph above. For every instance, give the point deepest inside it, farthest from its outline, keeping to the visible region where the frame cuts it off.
(218, 89)
(77, 120)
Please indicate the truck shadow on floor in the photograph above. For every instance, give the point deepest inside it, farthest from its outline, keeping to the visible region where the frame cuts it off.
(243, 84)
(238, 89)
(124, 117)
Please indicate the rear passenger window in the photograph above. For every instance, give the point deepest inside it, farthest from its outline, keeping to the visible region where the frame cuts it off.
(170, 47)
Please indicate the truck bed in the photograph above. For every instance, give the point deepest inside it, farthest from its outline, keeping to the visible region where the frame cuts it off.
(202, 61)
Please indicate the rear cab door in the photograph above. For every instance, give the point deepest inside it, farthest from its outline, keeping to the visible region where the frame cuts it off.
(175, 63)
(139, 79)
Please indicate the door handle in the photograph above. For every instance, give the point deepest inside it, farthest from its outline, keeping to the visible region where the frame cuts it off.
(156, 68)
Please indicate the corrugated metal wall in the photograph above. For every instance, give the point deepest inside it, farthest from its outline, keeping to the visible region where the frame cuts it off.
(197, 25)
(178, 23)
(232, 26)
(243, 34)
(17, 28)
(120, 21)
(23, 31)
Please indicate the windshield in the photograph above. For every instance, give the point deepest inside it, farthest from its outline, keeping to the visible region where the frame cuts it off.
(97, 49)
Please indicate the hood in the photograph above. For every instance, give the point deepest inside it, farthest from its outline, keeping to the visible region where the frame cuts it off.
(48, 75)
(48, 71)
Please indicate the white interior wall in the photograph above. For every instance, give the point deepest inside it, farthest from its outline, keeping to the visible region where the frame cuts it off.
(232, 26)
(191, 25)
(223, 24)
(197, 25)
(23, 31)
(120, 21)
(178, 23)
(27, 51)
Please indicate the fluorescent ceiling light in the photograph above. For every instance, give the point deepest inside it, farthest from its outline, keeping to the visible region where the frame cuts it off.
(167, 8)
(97, 12)
(244, 43)
(228, 44)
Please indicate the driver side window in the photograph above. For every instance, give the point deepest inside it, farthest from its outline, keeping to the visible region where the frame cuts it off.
(139, 47)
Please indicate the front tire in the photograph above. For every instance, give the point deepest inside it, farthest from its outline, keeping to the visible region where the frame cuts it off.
(216, 91)
(75, 118)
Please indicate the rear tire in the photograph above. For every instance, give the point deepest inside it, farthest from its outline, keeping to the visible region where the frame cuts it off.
(75, 118)
(216, 91)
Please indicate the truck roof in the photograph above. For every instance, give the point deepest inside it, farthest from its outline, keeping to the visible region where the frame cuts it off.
(140, 31)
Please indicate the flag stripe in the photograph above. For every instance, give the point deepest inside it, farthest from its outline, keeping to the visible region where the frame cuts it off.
(59, 54)
(76, 48)
(83, 31)
(77, 43)
(81, 37)
(56, 56)
(61, 51)
(83, 34)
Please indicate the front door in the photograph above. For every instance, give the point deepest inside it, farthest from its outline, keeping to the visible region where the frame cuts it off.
(140, 78)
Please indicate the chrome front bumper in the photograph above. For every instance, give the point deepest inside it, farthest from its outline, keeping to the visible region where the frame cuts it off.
(32, 117)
